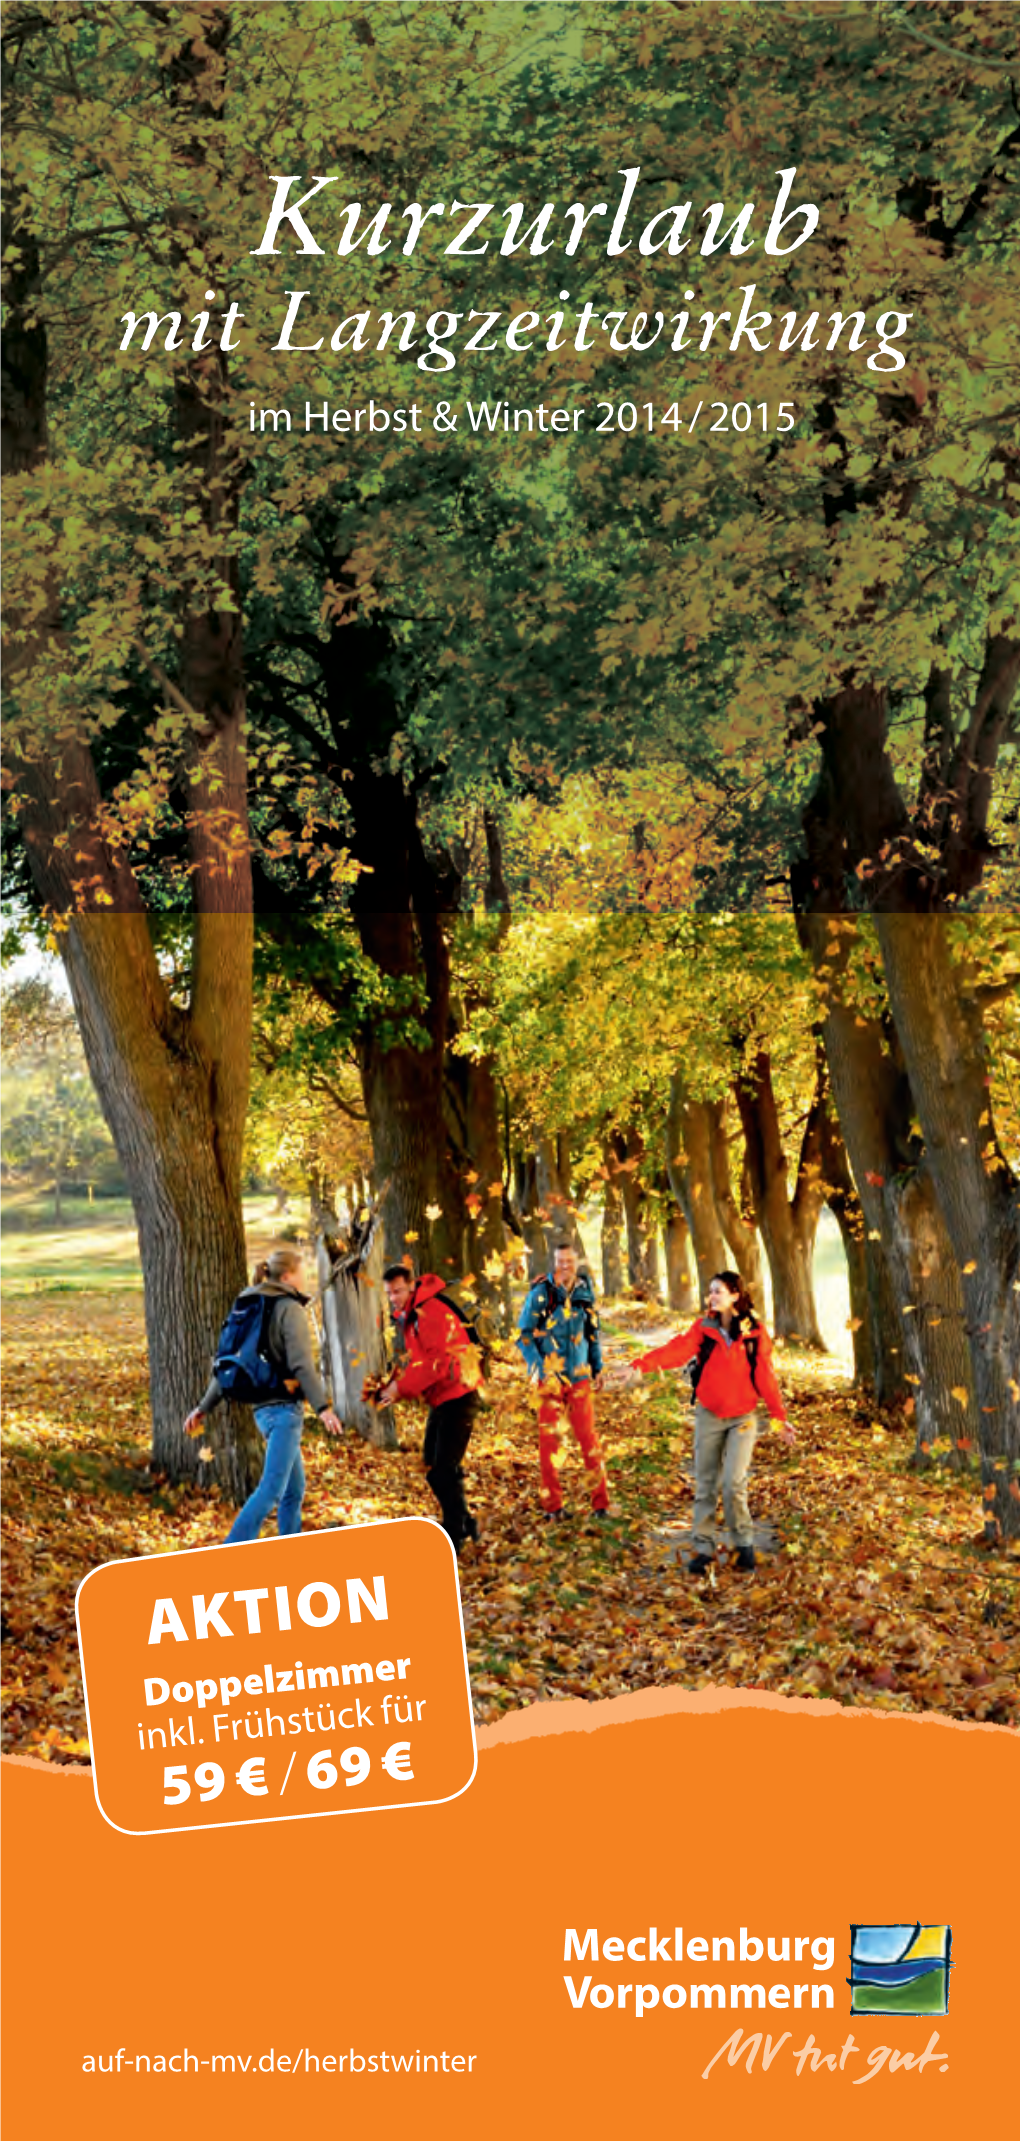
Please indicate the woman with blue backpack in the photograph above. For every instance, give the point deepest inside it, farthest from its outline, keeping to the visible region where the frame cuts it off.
(265, 1359)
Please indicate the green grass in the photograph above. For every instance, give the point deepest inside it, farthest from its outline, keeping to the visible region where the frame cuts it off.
(94, 1250)
(925, 1996)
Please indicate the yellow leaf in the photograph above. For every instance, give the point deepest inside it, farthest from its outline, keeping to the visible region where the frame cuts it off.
(959, 1394)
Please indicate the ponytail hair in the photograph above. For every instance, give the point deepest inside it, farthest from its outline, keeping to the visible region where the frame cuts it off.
(287, 1257)
(743, 1307)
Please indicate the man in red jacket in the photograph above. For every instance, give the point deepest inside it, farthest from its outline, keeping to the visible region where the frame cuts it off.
(443, 1367)
(734, 1375)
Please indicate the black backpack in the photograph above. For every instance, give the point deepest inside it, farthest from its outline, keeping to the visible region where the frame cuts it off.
(697, 1366)
(244, 1367)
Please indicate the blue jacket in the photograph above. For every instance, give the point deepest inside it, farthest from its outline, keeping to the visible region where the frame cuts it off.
(561, 1334)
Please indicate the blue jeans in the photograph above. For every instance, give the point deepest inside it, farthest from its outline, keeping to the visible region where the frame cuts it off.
(283, 1474)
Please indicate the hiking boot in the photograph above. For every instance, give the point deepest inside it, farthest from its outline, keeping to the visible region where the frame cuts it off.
(555, 1516)
(700, 1564)
(600, 1513)
(745, 1558)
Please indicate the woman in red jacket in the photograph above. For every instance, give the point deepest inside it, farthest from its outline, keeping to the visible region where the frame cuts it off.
(733, 1377)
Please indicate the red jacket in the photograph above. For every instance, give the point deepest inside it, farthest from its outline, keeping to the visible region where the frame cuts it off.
(724, 1387)
(441, 1361)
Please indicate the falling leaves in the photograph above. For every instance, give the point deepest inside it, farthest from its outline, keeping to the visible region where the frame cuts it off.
(875, 1596)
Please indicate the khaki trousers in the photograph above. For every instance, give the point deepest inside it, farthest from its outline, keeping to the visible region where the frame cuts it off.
(722, 1449)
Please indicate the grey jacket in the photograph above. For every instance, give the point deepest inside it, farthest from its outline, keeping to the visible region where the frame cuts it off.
(288, 1343)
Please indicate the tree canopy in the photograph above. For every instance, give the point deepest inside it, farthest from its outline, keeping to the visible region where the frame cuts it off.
(415, 699)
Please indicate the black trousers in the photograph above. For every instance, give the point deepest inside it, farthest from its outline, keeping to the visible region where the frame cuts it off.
(447, 1434)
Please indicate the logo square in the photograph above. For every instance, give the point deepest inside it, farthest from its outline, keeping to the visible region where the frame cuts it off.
(899, 1969)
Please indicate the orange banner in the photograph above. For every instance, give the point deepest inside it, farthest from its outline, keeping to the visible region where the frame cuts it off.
(639, 1909)
(318, 1674)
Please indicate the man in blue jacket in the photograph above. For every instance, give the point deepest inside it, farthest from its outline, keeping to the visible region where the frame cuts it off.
(559, 1339)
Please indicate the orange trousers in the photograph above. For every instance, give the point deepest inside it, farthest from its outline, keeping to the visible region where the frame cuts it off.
(577, 1401)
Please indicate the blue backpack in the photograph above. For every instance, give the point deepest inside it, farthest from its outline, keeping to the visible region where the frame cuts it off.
(243, 1367)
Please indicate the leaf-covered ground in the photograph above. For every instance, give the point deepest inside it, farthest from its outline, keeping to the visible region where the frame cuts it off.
(878, 1592)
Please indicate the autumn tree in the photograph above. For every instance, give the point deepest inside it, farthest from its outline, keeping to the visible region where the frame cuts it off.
(172, 1078)
(936, 1003)
(647, 1044)
(771, 667)
(52, 1124)
(128, 155)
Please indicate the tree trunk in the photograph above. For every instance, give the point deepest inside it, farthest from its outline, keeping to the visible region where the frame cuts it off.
(528, 1212)
(486, 1228)
(321, 1201)
(790, 1251)
(476, 1099)
(552, 1160)
(353, 1311)
(846, 1212)
(172, 1084)
(405, 1100)
(787, 1224)
(942, 1037)
(680, 1287)
(612, 1231)
(692, 1178)
(473, 1121)
(639, 1214)
(159, 1094)
(845, 1206)
(358, 1194)
(875, 1323)
(885, 1327)
(856, 820)
(542, 1206)
(929, 1358)
(404, 904)
(740, 1231)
